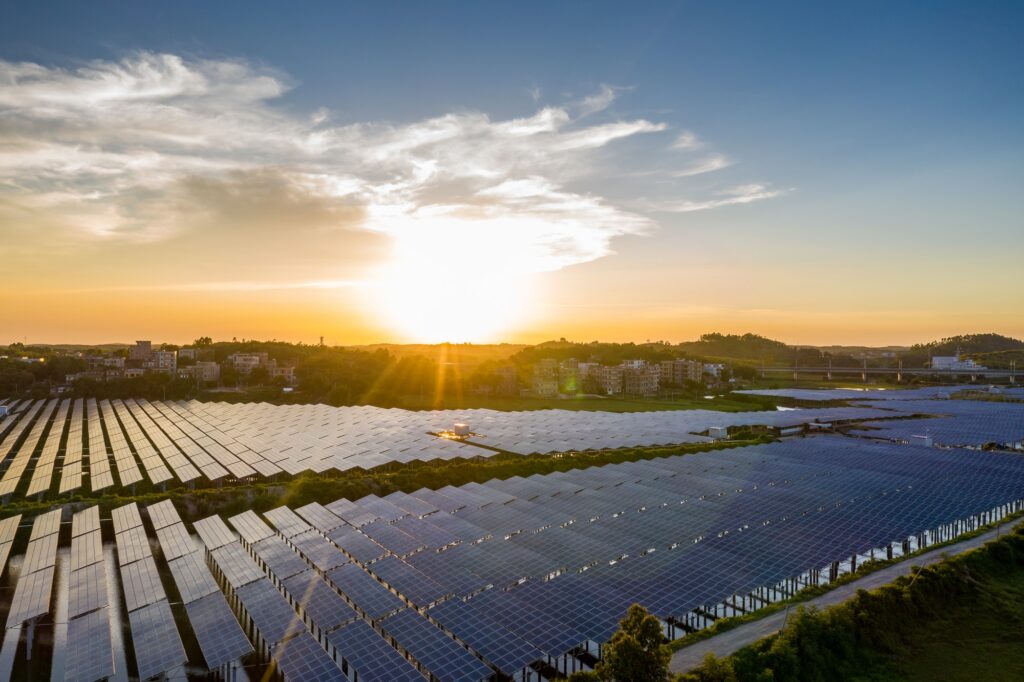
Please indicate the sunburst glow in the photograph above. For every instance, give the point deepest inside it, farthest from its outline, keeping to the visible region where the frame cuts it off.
(454, 281)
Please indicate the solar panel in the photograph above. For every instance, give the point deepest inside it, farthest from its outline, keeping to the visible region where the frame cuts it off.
(9, 527)
(237, 566)
(407, 581)
(319, 516)
(497, 644)
(192, 577)
(46, 524)
(214, 532)
(275, 619)
(360, 547)
(132, 545)
(281, 559)
(175, 541)
(163, 514)
(372, 658)
(88, 653)
(287, 522)
(141, 584)
(31, 597)
(321, 603)
(250, 527)
(390, 537)
(87, 590)
(86, 549)
(368, 594)
(318, 550)
(40, 554)
(85, 521)
(217, 631)
(302, 658)
(155, 639)
(126, 517)
(448, 660)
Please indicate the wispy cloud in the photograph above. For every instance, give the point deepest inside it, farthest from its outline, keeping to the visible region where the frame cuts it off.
(708, 164)
(687, 140)
(154, 148)
(743, 194)
(599, 101)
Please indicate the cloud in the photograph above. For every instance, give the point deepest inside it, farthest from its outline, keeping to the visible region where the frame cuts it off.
(708, 164)
(599, 101)
(192, 155)
(743, 194)
(686, 141)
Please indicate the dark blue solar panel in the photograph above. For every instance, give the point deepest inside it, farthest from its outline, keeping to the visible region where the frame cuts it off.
(448, 660)
(281, 559)
(319, 600)
(362, 548)
(407, 581)
(368, 594)
(498, 645)
(390, 537)
(302, 658)
(217, 631)
(274, 617)
(318, 550)
(373, 659)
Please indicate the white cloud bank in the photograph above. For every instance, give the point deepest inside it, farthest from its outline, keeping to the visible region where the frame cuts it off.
(154, 145)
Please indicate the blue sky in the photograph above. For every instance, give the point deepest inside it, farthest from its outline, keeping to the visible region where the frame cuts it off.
(889, 131)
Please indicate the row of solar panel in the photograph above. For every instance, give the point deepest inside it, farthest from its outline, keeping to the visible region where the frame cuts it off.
(164, 441)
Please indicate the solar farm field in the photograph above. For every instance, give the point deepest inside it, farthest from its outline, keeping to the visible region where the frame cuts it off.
(524, 577)
(54, 448)
(518, 578)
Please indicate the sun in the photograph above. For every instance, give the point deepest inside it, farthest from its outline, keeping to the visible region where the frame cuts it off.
(437, 289)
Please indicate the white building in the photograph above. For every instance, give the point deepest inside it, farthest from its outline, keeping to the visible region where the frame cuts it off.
(954, 362)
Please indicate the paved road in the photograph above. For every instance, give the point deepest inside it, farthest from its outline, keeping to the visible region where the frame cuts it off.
(728, 643)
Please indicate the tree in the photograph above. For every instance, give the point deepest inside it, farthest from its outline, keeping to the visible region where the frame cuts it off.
(202, 342)
(713, 669)
(637, 652)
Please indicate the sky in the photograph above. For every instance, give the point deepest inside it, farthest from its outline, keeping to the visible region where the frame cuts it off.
(422, 172)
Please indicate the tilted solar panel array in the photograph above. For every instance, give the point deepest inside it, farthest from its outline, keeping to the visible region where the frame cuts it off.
(957, 423)
(825, 394)
(157, 644)
(89, 642)
(218, 633)
(546, 563)
(32, 594)
(160, 442)
(505, 575)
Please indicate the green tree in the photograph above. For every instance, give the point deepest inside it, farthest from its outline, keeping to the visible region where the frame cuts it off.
(637, 652)
(712, 669)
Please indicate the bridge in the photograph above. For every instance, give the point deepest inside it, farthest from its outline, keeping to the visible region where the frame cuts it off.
(972, 373)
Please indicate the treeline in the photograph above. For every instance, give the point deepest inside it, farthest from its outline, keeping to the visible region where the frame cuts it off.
(878, 634)
(991, 350)
(749, 349)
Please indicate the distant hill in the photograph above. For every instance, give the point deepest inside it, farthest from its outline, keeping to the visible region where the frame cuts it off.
(749, 347)
(991, 350)
(969, 343)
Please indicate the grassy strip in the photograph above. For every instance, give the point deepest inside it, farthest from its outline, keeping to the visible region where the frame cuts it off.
(354, 484)
(808, 593)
